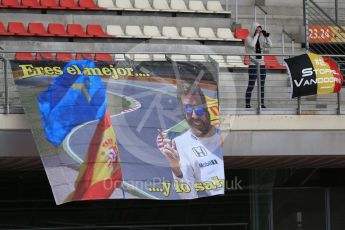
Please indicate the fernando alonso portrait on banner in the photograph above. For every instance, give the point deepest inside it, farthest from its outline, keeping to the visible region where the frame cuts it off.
(195, 157)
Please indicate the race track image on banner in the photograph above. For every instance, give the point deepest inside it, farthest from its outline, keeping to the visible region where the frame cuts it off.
(124, 130)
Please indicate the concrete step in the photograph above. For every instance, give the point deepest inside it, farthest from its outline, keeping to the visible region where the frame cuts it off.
(277, 49)
(244, 82)
(271, 20)
(228, 80)
(243, 88)
(273, 100)
(274, 10)
(281, 98)
(122, 46)
(269, 92)
(272, 104)
(197, 20)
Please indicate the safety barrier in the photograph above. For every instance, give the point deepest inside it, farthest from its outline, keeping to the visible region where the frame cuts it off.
(233, 81)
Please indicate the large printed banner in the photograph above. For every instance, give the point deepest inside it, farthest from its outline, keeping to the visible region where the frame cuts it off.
(312, 74)
(119, 130)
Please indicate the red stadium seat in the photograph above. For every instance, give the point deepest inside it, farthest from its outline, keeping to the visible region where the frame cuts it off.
(70, 4)
(3, 30)
(89, 5)
(44, 56)
(271, 62)
(83, 56)
(241, 33)
(50, 4)
(11, 4)
(64, 56)
(32, 4)
(17, 28)
(103, 57)
(57, 29)
(37, 29)
(96, 30)
(76, 30)
(24, 56)
(1, 5)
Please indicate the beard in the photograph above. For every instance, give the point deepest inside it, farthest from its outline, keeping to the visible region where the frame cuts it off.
(199, 126)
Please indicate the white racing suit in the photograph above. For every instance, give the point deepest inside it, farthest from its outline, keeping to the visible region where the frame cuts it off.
(201, 160)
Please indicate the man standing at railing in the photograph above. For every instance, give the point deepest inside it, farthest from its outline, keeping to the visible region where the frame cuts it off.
(256, 42)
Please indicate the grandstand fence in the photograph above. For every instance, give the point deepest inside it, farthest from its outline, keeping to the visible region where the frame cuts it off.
(233, 82)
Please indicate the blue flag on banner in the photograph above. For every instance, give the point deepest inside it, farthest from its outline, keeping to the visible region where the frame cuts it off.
(72, 98)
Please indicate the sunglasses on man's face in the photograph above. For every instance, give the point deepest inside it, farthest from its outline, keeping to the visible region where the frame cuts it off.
(199, 110)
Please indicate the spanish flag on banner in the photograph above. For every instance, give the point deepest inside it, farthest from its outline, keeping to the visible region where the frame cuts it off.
(312, 74)
(101, 173)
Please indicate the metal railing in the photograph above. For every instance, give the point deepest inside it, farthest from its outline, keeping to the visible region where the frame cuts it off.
(285, 33)
(236, 11)
(334, 8)
(321, 30)
(233, 85)
(263, 11)
(323, 34)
